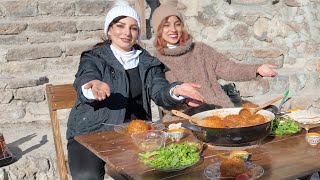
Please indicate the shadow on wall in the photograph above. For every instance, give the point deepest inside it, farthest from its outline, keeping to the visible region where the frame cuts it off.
(18, 153)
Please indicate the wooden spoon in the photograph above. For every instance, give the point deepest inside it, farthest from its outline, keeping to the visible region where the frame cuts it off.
(185, 116)
(245, 113)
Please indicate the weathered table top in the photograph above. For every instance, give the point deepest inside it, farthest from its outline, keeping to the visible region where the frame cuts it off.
(287, 157)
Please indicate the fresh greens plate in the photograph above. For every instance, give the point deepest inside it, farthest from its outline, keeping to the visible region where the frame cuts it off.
(173, 157)
(175, 169)
(282, 126)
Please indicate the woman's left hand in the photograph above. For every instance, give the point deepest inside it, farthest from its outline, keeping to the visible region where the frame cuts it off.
(266, 70)
(193, 102)
(189, 90)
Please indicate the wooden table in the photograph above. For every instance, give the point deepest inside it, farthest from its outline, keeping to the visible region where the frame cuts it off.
(287, 157)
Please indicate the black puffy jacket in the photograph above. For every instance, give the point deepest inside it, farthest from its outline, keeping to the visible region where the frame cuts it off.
(87, 116)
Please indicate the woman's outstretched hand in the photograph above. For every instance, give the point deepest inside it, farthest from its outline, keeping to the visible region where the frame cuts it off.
(100, 90)
(266, 70)
(190, 91)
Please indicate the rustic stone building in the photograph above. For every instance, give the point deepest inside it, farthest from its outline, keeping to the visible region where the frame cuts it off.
(41, 42)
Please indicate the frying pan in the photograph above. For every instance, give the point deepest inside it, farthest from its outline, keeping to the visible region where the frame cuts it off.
(231, 137)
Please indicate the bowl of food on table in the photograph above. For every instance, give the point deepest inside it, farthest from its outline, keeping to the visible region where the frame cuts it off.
(225, 127)
(234, 166)
(283, 126)
(176, 132)
(173, 157)
(313, 138)
(138, 126)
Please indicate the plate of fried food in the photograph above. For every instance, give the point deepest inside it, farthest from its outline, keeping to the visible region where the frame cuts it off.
(235, 165)
(136, 126)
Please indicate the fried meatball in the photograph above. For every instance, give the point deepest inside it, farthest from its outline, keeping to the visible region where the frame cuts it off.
(232, 167)
(256, 119)
(212, 122)
(234, 120)
(137, 126)
(245, 113)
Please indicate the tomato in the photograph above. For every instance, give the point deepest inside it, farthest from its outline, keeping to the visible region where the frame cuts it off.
(151, 127)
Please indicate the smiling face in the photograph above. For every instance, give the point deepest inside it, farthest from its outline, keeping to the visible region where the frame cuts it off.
(172, 30)
(124, 34)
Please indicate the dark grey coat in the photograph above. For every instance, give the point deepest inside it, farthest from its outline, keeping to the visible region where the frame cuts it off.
(87, 116)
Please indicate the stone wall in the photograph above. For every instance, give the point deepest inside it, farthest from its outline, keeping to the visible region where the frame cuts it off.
(281, 32)
(41, 42)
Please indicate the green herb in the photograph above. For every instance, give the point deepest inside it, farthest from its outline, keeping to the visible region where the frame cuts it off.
(284, 126)
(171, 156)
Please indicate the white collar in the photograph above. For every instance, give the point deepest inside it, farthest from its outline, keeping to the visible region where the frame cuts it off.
(129, 60)
(172, 46)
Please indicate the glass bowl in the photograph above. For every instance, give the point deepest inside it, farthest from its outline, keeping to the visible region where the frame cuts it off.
(149, 140)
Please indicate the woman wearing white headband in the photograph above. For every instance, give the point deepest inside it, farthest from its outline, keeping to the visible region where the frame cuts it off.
(115, 83)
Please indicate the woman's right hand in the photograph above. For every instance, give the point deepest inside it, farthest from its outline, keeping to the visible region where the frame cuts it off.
(100, 90)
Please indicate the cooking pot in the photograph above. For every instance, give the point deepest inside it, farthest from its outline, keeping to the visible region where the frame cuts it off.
(231, 137)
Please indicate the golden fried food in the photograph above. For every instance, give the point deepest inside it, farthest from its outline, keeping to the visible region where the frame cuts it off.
(245, 113)
(212, 122)
(234, 120)
(232, 167)
(137, 126)
(249, 105)
(256, 119)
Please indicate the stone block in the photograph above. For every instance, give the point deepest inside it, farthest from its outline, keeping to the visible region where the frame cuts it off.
(57, 8)
(50, 37)
(303, 101)
(260, 29)
(241, 30)
(30, 166)
(62, 67)
(12, 28)
(3, 53)
(279, 61)
(11, 112)
(76, 48)
(83, 35)
(253, 88)
(13, 40)
(293, 3)
(38, 108)
(15, 83)
(1, 11)
(30, 94)
(250, 2)
(267, 53)
(297, 83)
(33, 52)
(62, 78)
(5, 96)
(93, 8)
(52, 26)
(91, 25)
(26, 8)
(279, 84)
(16, 67)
